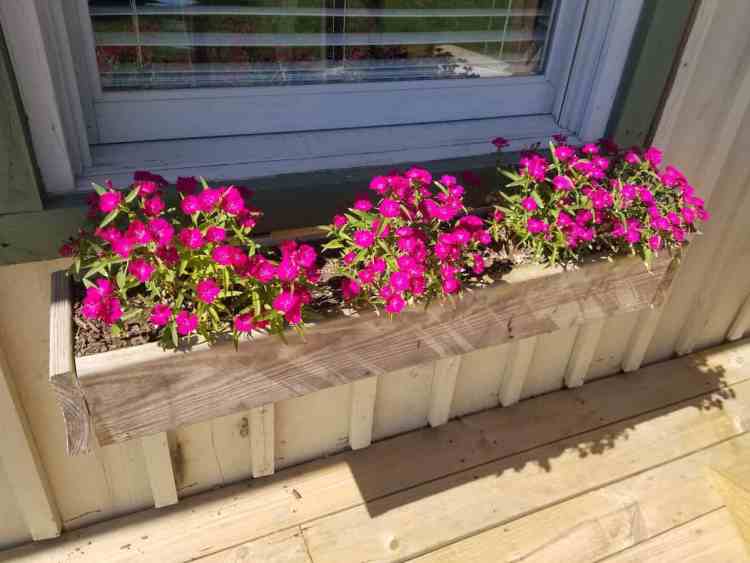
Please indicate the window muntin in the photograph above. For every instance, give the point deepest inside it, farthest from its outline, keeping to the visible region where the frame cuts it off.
(163, 44)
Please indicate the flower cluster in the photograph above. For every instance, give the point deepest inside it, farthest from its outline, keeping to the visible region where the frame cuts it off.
(415, 244)
(595, 198)
(192, 263)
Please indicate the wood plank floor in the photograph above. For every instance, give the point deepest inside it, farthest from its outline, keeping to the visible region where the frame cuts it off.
(616, 470)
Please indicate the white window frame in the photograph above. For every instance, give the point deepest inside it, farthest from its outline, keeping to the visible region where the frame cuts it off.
(60, 94)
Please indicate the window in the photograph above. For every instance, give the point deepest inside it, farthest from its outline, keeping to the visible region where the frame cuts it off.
(243, 88)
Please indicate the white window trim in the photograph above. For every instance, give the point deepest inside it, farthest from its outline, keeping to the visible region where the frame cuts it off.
(43, 63)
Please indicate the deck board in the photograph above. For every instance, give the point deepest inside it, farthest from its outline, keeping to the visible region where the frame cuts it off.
(529, 458)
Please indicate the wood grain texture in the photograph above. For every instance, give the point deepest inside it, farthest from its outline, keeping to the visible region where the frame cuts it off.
(62, 373)
(734, 485)
(519, 362)
(583, 352)
(142, 390)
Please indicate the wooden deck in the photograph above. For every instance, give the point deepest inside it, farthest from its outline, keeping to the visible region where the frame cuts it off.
(622, 469)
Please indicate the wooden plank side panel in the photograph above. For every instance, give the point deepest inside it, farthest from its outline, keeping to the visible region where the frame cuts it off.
(159, 466)
(142, 390)
(62, 373)
(362, 413)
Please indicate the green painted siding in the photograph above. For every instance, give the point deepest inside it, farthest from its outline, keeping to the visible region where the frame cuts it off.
(663, 26)
(19, 186)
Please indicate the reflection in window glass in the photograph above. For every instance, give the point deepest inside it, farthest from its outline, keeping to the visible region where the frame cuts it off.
(157, 44)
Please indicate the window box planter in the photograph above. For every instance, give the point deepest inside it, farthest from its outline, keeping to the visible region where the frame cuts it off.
(133, 392)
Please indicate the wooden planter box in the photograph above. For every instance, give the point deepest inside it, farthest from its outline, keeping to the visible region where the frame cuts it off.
(143, 390)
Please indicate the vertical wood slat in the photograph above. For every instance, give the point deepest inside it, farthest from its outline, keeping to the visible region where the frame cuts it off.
(262, 440)
(22, 464)
(362, 413)
(159, 467)
(741, 323)
(583, 351)
(443, 387)
(519, 362)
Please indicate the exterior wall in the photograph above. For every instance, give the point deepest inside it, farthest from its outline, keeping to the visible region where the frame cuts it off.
(705, 130)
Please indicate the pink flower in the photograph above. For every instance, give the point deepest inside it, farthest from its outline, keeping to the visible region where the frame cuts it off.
(590, 149)
(66, 250)
(190, 204)
(645, 195)
(153, 206)
(364, 239)
(654, 242)
(689, 215)
(339, 221)
(350, 288)
(498, 216)
(215, 234)
(160, 314)
(450, 285)
(305, 256)
(564, 153)
(109, 201)
(187, 185)
(287, 270)
(138, 232)
(363, 205)
(168, 255)
(233, 202)
(394, 304)
(161, 230)
(247, 323)
(111, 311)
(141, 269)
(209, 199)
(123, 246)
(389, 208)
(399, 281)
(500, 143)
(186, 322)
(289, 303)
(631, 157)
(419, 175)
(529, 204)
(147, 188)
(223, 255)
(145, 176)
(534, 226)
(653, 156)
(583, 217)
(379, 184)
(350, 257)
(207, 290)
(562, 183)
(478, 260)
(191, 238)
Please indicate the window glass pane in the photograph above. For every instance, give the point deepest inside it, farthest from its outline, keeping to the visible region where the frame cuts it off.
(157, 44)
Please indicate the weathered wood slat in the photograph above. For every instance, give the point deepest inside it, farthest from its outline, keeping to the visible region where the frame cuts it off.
(583, 352)
(62, 374)
(262, 441)
(734, 484)
(160, 470)
(143, 390)
(20, 461)
(519, 362)
(443, 387)
(362, 413)
(741, 323)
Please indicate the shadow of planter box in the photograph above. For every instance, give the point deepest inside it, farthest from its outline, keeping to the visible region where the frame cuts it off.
(134, 392)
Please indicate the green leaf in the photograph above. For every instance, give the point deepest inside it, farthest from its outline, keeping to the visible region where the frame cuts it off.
(115, 330)
(132, 195)
(173, 331)
(99, 189)
(109, 218)
(538, 200)
(121, 278)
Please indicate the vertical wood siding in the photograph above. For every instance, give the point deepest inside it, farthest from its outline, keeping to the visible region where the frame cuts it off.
(705, 130)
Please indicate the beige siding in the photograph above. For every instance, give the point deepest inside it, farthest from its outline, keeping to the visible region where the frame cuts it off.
(705, 130)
